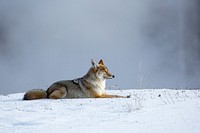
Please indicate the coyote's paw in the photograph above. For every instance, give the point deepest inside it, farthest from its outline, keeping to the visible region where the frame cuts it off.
(129, 96)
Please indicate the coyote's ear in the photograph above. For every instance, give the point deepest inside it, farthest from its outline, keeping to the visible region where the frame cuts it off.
(101, 62)
(94, 64)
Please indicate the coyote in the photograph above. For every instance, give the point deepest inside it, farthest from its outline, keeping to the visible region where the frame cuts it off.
(91, 85)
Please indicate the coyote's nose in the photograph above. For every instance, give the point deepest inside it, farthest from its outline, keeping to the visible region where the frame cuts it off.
(113, 76)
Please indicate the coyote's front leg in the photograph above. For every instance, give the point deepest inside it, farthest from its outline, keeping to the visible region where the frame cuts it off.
(112, 96)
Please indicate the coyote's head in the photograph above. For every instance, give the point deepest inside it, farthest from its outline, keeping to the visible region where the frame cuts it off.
(100, 71)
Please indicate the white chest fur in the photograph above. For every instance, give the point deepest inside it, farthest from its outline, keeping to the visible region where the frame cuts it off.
(93, 87)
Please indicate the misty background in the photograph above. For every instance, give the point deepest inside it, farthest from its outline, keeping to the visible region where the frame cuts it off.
(145, 44)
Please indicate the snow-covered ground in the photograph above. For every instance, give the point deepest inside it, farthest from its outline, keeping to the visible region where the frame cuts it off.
(147, 111)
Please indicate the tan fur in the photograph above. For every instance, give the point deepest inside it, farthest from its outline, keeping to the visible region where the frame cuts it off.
(92, 85)
(35, 94)
(60, 93)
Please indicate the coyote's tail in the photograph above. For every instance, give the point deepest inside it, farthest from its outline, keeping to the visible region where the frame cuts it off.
(35, 94)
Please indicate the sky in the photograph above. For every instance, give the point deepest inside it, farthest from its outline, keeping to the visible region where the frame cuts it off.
(145, 44)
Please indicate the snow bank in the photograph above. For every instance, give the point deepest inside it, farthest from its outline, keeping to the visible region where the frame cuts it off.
(147, 111)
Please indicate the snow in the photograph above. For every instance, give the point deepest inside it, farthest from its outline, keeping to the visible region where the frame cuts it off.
(147, 111)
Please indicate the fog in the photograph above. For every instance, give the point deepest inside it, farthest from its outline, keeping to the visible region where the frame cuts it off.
(145, 44)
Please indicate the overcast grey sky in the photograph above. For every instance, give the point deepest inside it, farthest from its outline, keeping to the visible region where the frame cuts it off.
(145, 44)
